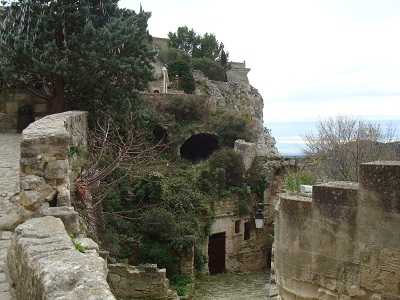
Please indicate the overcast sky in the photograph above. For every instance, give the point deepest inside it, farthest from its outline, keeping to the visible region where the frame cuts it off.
(309, 59)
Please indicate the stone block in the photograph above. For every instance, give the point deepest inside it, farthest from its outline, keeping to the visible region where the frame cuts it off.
(57, 169)
(380, 181)
(31, 200)
(69, 217)
(336, 194)
(63, 196)
(12, 107)
(30, 182)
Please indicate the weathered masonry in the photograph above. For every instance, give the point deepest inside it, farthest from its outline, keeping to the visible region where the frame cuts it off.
(344, 243)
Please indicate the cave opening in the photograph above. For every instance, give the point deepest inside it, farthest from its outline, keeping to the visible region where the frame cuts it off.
(199, 146)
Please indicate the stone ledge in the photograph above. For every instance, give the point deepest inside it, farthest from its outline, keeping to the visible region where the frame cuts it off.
(46, 264)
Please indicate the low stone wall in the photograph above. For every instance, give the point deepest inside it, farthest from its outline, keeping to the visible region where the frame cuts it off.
(343, 243)
(49, 166)
(129, 282)
(45, 264)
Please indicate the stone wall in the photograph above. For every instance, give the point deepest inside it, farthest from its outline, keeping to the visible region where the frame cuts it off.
(147, 282)
(10, 103)
(45, 264)
(344, 242)
(49, 166)
(243, 254)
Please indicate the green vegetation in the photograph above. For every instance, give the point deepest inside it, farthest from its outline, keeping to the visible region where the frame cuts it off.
(229, 128)
(294, 180)
(146, 209)
(181, 70)
(76, 54)
(211, 69)
(77, 246)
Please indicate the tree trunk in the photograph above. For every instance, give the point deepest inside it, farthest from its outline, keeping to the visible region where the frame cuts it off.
(58, 103)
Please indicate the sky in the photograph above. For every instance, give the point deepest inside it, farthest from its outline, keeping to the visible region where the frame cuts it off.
(309, 59)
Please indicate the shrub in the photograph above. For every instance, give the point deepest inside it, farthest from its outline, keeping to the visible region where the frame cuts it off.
(184, 109)
(183, 71)
(294, 180)
(173, 55)
(233, 165)
(229, 128)
(210, 68)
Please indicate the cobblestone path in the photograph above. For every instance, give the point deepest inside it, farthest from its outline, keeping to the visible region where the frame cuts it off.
(235, 287)
(9, 189)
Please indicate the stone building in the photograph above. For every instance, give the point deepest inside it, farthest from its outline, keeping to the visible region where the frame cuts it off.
(343, 243)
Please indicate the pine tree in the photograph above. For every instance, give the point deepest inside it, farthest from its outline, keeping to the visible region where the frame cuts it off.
(86, 54)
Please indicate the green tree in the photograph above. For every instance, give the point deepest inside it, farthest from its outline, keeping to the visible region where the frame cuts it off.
(184, 39)
(82, 54)
(206, 46)
(186, 80)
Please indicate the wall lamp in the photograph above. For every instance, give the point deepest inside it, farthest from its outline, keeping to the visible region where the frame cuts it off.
(259, 217)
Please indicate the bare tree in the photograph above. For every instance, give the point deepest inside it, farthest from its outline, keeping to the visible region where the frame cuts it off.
(111, 148)
(342, 143)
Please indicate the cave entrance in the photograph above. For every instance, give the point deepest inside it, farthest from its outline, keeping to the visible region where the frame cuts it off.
(199, 146)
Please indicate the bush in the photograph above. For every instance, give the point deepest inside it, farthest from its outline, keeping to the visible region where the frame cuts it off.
(184, 109)
(174, 55)
(186, 80)
(229, 128)
(294, 180)
(233, 165)
(210, 68)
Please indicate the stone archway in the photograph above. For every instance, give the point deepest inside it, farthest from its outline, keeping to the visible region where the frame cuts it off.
(199, 146)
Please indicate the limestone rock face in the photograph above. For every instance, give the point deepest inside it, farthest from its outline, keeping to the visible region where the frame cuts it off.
(45, 264)
(240, 98)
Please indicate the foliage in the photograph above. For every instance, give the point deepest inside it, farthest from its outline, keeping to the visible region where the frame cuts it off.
(184, 109)
(342, 143)
(179, 283)
(206, 46)
(186, 80)
(173, 55)
(76, 54)
(257, 180)
(233, 165)
(294, 180)
(184, 39)
(229, 128)
(77, 246)
(210, 68)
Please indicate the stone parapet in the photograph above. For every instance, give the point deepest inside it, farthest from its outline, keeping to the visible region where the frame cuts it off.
(43, 259)
(147, 282)
(49, 165)
(342, 243)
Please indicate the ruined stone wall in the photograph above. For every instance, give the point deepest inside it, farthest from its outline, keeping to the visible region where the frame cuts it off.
(10, 103)
(45, 264)
(147, 282)
(242, 255)
(49, 162)
(344, 242)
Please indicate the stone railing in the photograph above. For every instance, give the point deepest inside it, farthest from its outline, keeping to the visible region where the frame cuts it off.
(44, 264)
(343, 243)
(49, 149)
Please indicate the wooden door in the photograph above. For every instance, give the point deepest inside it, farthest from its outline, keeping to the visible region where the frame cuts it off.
(216, 253)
